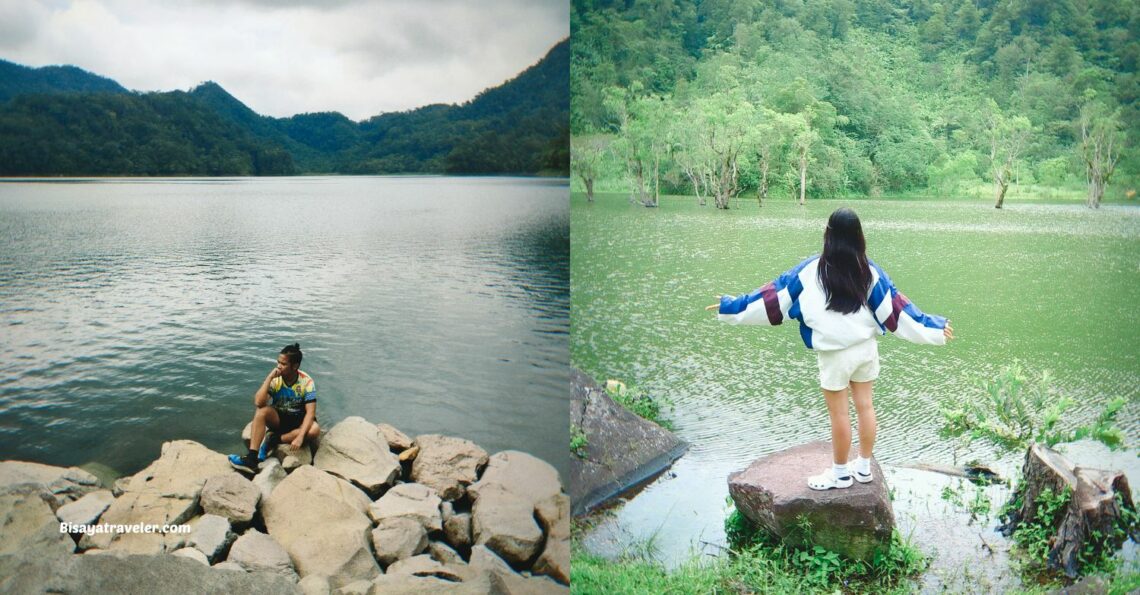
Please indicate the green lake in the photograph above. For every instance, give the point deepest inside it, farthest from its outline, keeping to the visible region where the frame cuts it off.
(1055, 286)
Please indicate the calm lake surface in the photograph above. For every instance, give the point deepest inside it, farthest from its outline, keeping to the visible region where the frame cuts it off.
(133, 312)
(1056, 286)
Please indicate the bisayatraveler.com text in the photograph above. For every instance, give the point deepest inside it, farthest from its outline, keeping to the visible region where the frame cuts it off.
(66, 527)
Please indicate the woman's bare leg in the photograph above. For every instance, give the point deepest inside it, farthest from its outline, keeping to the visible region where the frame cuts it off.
(840, 425)
(865, 412)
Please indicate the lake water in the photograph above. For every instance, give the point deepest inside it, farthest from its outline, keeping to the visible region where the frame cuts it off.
(133, 312)
(1055, 286)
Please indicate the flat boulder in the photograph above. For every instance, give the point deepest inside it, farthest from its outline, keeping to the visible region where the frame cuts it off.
(231, 496)
(409, 500)
(773, 493)
(166, 492)
(65, 484)
(321, 521)
(257, 552)
(211, 534)
(356, 450)
(504, 522)
(447, 464)
(521, 474)
(622, 449)
(86, 510)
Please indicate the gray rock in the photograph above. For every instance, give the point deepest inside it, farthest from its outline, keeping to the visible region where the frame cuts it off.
(422, 565)
(409, 500)
(505, 523)
(257, 552)
(447, 464)
(211, 535)
(355, 450)
(622, 451)
(229, 566)
(321, 521)
(291, 458)
(408, 584)
(444, 554)
(193, 554)
(355, 588)
(486, 561)
(555, 560)
(165, 492)
(231, 496)
(121, 573)
(28, 523)
(270, 474)
(554, 515)
(397, 440)
(64, 484)
(521, 474)
(397, 538)
(86, 510)
(314, 584)
(773, 493)
(457, 530)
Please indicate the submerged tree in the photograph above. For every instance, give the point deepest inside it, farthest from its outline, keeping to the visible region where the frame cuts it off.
(1101, 138)
(1005, 137)
(586, 155)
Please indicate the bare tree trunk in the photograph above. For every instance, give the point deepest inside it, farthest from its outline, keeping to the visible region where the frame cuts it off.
(1001, 184)
(589, 188)
(762, 190)
(803, 175)
(656, 179)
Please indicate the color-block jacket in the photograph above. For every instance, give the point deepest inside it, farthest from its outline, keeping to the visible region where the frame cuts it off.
(799, 294)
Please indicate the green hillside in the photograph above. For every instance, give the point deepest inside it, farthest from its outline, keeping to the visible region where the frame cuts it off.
(730, 98)
(63, 121)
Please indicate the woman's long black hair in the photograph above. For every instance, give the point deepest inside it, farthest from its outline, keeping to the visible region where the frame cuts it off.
(843, 268)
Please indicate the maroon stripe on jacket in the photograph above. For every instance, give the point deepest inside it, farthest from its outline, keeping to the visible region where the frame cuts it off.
(897, 304)
(772, 304)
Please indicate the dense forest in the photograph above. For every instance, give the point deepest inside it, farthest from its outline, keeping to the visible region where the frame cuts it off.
(64, 121)
(734, 98)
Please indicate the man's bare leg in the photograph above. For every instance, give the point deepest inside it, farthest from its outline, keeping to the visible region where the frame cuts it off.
(291, 435)
(264, 416)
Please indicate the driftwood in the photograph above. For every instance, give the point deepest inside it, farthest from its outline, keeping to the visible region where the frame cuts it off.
(975, 473)
(1093, 509)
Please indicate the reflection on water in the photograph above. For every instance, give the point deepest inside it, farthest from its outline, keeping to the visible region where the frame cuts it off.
(1052, 285)
(138, 311)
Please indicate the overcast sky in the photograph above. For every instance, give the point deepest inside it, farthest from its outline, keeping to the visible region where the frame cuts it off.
(284, 57)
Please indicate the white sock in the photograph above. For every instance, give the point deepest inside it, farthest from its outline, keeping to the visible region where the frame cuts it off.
(862, 465)
(840, 470)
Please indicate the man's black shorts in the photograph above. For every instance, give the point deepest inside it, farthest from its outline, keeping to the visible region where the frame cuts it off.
(290, 420)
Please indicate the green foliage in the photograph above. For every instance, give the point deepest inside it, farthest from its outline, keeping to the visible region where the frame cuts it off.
(578, 441)
(643, 405)
(1016, 408)
(1034, 535)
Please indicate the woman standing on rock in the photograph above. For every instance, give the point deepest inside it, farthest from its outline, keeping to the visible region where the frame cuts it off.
(841, 300)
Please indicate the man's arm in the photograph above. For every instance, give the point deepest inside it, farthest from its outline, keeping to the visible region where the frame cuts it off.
(261, 397)
(310, 415)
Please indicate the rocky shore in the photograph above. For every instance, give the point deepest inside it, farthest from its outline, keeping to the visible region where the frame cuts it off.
(366, 509)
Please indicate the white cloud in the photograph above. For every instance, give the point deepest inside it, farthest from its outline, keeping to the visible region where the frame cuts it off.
(360, 58)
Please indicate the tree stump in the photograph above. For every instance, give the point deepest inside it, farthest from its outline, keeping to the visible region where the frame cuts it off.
(1092, 516)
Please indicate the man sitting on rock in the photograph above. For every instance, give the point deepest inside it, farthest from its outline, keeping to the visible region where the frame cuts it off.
(286, 402)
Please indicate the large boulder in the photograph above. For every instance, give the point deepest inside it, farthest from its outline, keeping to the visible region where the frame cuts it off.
(504, 522)
(622, 449)
(321, 521)
(86, 510)
(397, 440)
(64, 484)
(521, 474)
(258, 552)
(356, 450)
(166, 492)
(170, 575)
(447, 464)
(409, 500)
(554, 515)
(773, 493)
(231, 496)
(397, 538)
(28, 524)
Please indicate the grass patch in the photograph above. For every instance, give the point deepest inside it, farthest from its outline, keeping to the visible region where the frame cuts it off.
(642, 405)
(578, 442)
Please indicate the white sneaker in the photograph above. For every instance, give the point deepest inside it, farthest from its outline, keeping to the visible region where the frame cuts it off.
(827, 480)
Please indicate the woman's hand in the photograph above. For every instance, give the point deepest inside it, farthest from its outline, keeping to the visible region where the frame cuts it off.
(714, 307)
(948, 332)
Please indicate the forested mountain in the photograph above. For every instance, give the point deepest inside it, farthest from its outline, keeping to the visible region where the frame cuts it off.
(64, 121)
(835, 97)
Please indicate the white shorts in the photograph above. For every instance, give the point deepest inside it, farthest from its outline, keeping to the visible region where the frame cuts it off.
(857, 363)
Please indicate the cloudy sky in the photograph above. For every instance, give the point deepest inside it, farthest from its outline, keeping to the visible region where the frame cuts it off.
(283, 57)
